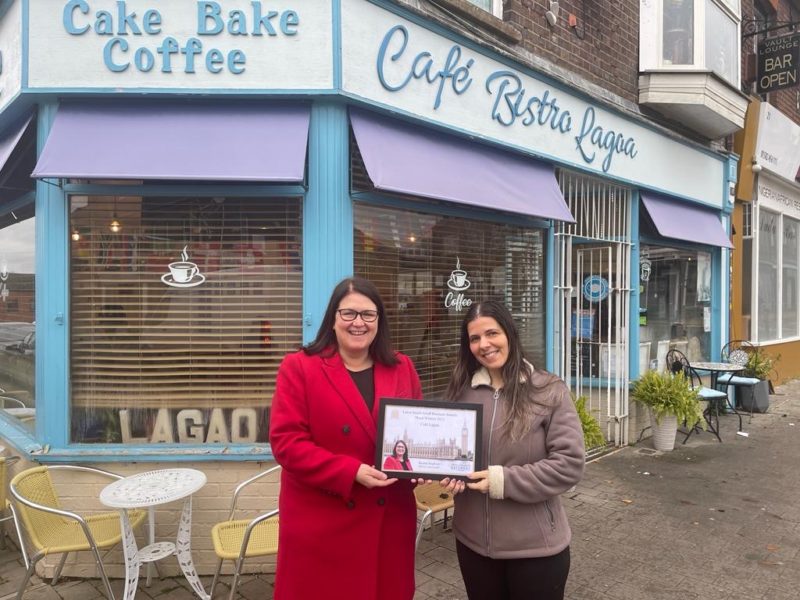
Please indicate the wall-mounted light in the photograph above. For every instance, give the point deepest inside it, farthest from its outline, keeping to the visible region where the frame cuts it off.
(756, 168)
(115, 225)
(552, 13)
(76, 235)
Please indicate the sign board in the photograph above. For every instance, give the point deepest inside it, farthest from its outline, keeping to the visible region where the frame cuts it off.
(778, 59)
(778, 144)
(139, 45)
(395, 62)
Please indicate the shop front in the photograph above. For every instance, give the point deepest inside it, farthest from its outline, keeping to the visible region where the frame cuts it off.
(768, 215)
(182, 189)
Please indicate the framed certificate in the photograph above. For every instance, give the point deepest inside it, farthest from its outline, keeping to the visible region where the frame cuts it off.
(428, 440)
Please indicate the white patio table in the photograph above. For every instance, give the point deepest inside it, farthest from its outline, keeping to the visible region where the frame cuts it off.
(148, 490)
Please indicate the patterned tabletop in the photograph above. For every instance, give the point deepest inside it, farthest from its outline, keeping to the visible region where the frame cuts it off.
(717, 366)
(152, 488)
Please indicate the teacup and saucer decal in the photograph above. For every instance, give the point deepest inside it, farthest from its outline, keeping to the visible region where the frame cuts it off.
(183, 273)
(458, 281)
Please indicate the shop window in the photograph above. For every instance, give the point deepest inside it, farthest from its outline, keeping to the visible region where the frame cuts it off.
(789, 281)
(17, 314)
(181, 311)
(768, 298)
(697, 34)
(430, 268)
(675, 301)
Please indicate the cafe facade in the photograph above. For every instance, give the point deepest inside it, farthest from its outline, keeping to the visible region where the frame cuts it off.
(183, 184)
(767, 217)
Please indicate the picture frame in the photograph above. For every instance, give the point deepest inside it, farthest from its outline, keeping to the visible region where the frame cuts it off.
(441, 439)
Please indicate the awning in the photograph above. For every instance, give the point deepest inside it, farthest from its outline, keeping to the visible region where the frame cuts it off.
(196, 142)
(406, 159)
(10, 138)
(680, 221)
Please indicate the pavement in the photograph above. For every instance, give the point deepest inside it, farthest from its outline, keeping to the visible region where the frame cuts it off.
(707, 521)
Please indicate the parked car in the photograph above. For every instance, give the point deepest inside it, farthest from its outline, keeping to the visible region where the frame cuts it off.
(25, 346)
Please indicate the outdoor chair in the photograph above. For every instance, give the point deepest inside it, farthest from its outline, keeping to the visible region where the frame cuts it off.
(431, 498)
(6, 510)
(244, 538)
(50, 529)
(738, 353)
(16, 408)
(710, 399)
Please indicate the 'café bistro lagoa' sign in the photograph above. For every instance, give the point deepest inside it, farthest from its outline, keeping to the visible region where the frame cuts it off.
(511, 104)
(399, 63)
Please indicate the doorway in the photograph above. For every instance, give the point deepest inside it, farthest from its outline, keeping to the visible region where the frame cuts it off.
(592, 320)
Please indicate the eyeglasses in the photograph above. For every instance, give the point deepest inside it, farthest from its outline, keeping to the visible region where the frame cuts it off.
(348, 314)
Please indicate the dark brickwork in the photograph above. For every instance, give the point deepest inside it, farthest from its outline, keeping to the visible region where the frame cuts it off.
(607, 54)
(788, 100)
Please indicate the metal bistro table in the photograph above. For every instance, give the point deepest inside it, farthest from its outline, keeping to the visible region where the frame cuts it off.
(715, 369)
(148, 490)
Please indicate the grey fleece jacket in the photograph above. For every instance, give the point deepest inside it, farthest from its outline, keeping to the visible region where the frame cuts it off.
(522, 516)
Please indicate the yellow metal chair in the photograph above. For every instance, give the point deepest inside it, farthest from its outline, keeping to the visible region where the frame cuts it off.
(52, 530)
(431, 498)
(244, 538)
(6, 510)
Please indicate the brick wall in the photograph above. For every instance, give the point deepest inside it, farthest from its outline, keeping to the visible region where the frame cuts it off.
(608, 53)
(788, 100)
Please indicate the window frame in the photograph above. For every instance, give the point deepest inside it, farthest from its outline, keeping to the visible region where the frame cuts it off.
(699, 62)
(496, 7)
(779, 266)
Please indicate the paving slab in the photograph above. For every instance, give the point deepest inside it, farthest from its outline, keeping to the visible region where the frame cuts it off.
(707, 521)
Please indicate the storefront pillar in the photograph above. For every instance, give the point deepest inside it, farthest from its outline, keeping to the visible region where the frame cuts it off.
(327, 212)
(52, 300)
(634, 360)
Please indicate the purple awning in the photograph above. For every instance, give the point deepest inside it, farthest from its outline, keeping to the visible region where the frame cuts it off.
(233, 142)
(680, 221)
(9, 139)
(406, 159)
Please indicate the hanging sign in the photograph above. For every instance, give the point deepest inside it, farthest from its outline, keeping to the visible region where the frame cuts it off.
(778, 59)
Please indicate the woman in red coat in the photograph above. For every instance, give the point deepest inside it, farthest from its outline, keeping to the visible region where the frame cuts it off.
(346, 529)
(398, 459)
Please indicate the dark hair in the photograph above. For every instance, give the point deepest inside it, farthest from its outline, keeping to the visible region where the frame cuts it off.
(517, 372)
(380, 350)
(404, 458)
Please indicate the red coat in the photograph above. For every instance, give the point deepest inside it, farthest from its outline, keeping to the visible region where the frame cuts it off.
(338, 539)
(395, 464)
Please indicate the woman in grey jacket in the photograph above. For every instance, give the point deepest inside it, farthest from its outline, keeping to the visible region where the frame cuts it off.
(512, 534)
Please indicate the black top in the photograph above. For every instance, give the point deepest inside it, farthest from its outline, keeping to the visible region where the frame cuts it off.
(365, 382)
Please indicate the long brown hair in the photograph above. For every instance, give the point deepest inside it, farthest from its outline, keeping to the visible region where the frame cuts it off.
(380, 350)
(519, 391)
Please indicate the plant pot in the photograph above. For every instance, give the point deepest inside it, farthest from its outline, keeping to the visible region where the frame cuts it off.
(754, 398)
(664, 433)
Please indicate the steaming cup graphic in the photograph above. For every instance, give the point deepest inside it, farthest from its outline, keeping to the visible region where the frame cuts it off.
(459, 277)
(183, 271)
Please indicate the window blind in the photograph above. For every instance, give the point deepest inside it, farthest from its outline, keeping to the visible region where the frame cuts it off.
(427, 267)
(207, 332)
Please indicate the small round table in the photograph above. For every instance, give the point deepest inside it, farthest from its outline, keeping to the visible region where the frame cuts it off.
(148, 490)
(715, 369)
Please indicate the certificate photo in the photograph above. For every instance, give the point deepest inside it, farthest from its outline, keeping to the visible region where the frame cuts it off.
(428, 440)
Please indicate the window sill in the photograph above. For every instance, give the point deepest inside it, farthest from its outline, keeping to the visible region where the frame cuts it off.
(483, 18)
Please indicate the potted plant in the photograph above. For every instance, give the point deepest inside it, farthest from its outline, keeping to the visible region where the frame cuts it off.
(672, 400)
(592, 433)
(755, 398)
